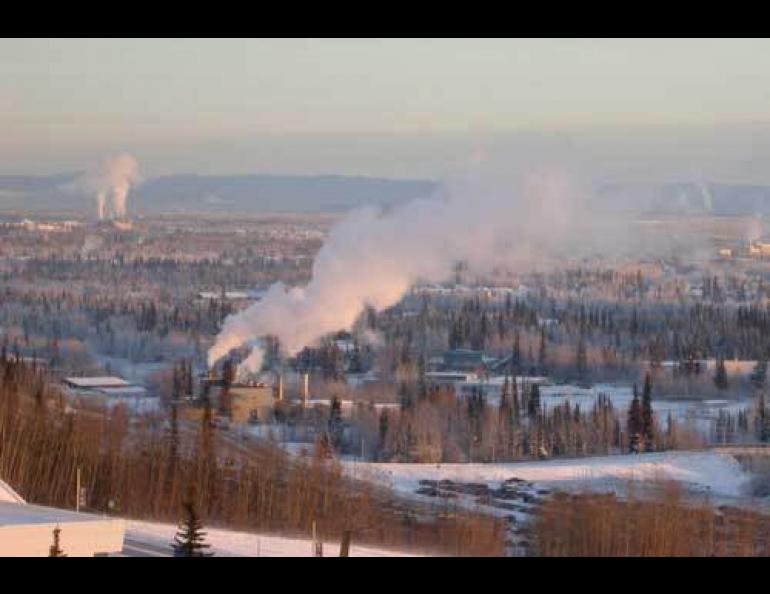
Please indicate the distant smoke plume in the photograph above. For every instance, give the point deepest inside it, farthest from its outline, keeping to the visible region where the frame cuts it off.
(110, 183)
(101, 205)
(754, 229)
(518, 219)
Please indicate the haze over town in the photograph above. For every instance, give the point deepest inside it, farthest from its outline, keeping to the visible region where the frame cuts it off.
(384, 297)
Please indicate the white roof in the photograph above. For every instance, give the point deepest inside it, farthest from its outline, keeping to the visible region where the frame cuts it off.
(97, 382)
(8, 495)
(13, 513)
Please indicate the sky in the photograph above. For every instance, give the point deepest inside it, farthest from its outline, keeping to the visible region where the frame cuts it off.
(385, 107)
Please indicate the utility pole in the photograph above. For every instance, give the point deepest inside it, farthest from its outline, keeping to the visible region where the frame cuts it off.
(77, 490)
(317, 547)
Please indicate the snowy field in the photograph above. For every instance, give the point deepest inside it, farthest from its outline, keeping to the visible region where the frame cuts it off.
(694, 414)
(227, 543)
(714, 473)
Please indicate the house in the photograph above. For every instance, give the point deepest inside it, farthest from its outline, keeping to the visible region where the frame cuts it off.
(466, 360)
(28, 530)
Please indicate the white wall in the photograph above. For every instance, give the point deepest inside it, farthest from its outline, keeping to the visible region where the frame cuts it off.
(76, 539)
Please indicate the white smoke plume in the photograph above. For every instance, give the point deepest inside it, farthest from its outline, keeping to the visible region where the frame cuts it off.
(101, 205)
(754, 229)
(112, 179)
(372, 258)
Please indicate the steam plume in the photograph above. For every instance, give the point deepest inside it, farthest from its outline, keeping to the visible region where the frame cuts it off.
(372, 258)
(113, 178)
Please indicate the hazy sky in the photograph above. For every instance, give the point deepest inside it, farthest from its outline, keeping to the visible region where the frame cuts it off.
(399, 107)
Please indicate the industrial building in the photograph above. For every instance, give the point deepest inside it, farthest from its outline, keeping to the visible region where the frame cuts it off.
(760, 249)
(102, 386)
(251, 403)
(466, 384)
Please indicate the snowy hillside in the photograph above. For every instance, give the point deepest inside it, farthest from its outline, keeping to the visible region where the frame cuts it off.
(715, 473)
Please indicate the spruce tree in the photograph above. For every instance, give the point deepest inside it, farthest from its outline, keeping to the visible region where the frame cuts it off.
(384, 422)
(581, 359)
(720, 378)
(634, 423)
(647, 418)
(533, 404)
(515, 399)
(542, 352)
(516, 354)
(334, 424)
(189, 539)
(759, 375)
(763, 427)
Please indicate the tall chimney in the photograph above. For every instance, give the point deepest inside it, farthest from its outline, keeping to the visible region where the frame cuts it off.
(305, 387)
(280, 387)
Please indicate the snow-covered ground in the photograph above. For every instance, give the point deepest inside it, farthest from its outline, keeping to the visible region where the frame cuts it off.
(698, 415)
(715, 473)
(229, 543)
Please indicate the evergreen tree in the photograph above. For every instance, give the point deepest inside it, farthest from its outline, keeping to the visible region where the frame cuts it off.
(648, 428)
(634, 423)
(720, 378)
(515, 399)
(55, 549)
(335, 425)
(505, 407)
(516, 353)
(759, 375)
(189, 539)
(533, 404)
(763, 426)
(581, 358)
(542, 352)
(384, 422)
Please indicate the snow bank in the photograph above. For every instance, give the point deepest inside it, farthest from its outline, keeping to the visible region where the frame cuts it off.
(713, 472)
(228, 543)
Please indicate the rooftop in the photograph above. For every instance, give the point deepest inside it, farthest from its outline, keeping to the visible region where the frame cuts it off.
(8, 495)
(15, 513)
(97, 382)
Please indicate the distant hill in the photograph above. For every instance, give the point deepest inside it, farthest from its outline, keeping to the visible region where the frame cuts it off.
(269, 193)
(207, 194)
(254, 194)
(686, 198)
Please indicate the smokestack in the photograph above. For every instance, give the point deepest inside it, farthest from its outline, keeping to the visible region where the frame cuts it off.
(279, 390)
(305, 387)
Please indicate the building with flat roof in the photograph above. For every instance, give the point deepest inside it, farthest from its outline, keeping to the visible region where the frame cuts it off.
(27, 530)
(103, 386)
(8, 495)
